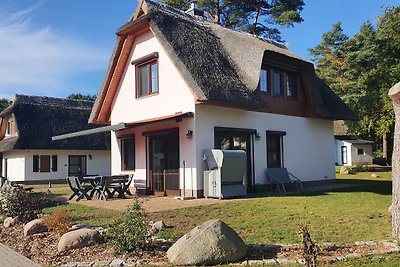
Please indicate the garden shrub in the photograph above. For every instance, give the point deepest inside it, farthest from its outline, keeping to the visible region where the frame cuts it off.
(130, 234)
(58, 222)
(16, 202)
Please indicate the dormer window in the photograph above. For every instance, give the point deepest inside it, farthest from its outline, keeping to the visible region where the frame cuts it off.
(264, 81)
(8, 130)
(146, 75)
(282, 82)
(291, 88)
(278, 88)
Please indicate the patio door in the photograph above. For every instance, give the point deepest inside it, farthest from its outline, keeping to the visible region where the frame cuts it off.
(163, 168)
(77, 165)
(237, 139)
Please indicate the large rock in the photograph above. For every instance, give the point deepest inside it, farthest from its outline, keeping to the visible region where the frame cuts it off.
(34, 227)
(212, 242)
(9, 222)
(78, 239)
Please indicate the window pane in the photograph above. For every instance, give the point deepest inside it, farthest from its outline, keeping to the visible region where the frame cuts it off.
(154, 78)
(54, 163)
(143, 81)
(35, 163)
(264, 81)
(277, 83)
(291, 85)
(274, 149)
(128, 153)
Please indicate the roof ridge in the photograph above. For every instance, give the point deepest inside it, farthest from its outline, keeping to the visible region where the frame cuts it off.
(52, 101)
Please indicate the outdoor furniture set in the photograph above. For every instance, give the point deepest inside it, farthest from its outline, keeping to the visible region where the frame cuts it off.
(105, 187)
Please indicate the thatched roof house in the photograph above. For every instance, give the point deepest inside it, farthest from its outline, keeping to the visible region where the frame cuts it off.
(221, 65)
(27, 152)
(242, 93)
(39, 118)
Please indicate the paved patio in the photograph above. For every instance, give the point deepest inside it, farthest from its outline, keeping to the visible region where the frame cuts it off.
(11, 258)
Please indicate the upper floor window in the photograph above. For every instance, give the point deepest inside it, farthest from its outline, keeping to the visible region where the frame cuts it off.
(10, 128)
(146, 75)
(264, 81)
(291, 90)
(278, 84)
(283, 83)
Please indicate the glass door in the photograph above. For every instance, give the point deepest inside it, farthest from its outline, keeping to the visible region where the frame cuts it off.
(77, 165)
(231, 140)
(164, 163)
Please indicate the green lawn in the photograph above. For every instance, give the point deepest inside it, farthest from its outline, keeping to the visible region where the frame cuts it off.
(358, 213)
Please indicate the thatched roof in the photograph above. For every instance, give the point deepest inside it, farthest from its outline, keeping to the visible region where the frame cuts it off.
(221, 65)
(39, 118)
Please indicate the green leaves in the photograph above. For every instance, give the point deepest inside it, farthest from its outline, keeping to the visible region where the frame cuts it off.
(255, 16)
(361, 69)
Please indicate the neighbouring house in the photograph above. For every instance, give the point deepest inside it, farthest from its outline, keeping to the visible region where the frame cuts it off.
(178, 84)
(351, 151)
(27, 152)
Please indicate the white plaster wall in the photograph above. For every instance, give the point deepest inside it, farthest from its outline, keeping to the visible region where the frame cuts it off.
(15, 165)
(174, 95)
(20, 164)
(366, 158)
(307, 145)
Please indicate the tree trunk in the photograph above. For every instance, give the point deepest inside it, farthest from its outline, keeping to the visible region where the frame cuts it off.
(394, 94)
(385, 146)
(217, 19)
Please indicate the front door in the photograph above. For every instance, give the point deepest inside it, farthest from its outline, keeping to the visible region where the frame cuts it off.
(344, 155)
(237, 140)
(77, 165)
(164, 163)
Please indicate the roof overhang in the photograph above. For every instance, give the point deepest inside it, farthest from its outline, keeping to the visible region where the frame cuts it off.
(122, 125)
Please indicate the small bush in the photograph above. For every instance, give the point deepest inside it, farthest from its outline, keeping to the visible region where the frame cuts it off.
(58, 222)
(130, 233)
(16, 202)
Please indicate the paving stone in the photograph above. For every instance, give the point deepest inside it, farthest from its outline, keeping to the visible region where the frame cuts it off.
(285, 261)
(71, 264)
(102, 263)
(86, 264)
(117, 263)
(11, 258)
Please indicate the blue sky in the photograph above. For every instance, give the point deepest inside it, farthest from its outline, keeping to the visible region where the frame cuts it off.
(59, 47)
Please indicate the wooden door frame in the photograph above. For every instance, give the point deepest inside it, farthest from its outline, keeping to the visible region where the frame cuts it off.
(250, 136)
(149, 180)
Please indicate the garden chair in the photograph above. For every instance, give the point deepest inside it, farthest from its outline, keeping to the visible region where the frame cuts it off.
(83, 189)
(279, 177)
(72, 185)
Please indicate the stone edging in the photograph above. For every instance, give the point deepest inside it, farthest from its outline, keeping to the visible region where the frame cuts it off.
(392, 248)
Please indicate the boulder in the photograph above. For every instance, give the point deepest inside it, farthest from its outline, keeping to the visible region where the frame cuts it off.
(345, 170)
(374, 175)
(9, 222)
(34, 227)
(156, 227)
(78, 239)
(212, 242)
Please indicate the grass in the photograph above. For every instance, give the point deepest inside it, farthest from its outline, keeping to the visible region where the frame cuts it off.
(358, 213)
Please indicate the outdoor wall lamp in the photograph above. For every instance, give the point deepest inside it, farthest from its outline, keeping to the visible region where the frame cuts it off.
(90, 157)
(257, 136)
(189, 134)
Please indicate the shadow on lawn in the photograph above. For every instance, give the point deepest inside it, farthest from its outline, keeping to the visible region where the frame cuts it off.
(381, 187)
